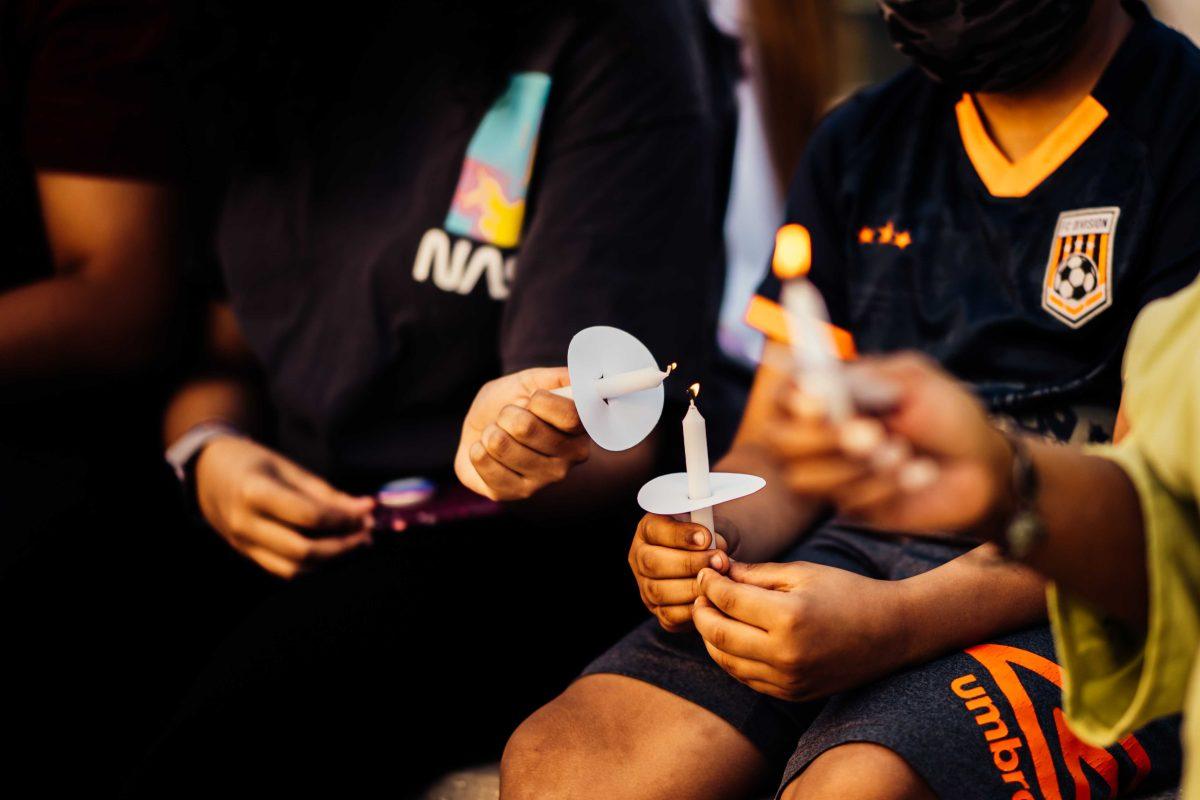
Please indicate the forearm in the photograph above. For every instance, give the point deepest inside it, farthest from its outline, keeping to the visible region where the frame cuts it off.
(768, 521)
(1095, 543)
(964, 602)
(80, 325)
(232, 400)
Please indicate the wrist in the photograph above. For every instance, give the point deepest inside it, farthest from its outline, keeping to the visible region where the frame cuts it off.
(902, 637)
(1013, 521)
(1002, 501)
(185, 452)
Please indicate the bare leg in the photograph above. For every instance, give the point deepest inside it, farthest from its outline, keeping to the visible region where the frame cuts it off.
(612, 737)
(860, 770)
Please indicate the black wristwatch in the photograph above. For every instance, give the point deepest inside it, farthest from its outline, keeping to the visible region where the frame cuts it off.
(1023, 531)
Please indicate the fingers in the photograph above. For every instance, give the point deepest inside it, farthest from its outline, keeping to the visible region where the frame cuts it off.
(504, 482)
(530, 429)
(292, 507)
(666, 532)
(672, 592)
(820, 477)
(272, 562)
(543, 378)
(860, 437)
(751, 604)
(674, 619)
(289, 544)
(666, 574)
(904, 368)
(767, 575)
(558, 411)
(860, 497)
(728, 635)
(521, 459)
(667, 562)
(801, 439)
(351, 509)
(745, 670)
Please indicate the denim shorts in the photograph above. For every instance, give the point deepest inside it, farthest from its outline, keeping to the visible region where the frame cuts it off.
(985, 722)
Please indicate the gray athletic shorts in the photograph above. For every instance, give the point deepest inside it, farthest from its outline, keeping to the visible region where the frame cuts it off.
(981, 723)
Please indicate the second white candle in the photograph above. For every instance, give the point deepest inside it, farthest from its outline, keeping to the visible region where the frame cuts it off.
(695, 456)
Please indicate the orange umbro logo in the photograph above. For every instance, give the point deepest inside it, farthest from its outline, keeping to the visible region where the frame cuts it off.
(1039, 775)
(887, 235)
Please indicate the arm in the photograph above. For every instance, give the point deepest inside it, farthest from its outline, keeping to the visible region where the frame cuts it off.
(964, 602)
(107, 305)
(1085, 501)
(224, 387)
(1081, 501)
(266, 507)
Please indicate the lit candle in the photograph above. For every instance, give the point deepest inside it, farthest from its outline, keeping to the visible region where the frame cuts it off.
(808, 324)
(623, 383)
(820, 370)
(637, 380)
(695, 455)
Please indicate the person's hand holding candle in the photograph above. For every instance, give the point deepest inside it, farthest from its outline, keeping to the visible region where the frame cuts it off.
(940, 421)
(519, 437)
(666, 555)
(787, 630)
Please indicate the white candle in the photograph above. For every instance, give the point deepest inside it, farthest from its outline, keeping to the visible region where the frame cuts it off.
(623, 383)
(637, 380)
(815, 352)
(695, 455)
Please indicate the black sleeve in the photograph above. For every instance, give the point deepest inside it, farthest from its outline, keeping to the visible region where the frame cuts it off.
(815, 200)
(1172, 260)
(98, 94)
(624, 227)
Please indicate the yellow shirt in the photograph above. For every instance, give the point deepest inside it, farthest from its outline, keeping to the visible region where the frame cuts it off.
(1116, 680)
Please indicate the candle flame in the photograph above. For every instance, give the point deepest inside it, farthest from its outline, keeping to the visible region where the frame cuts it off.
(793, 252)
(671, 367)
(694, 390)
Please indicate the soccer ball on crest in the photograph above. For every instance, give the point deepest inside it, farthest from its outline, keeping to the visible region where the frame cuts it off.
(1077, 276)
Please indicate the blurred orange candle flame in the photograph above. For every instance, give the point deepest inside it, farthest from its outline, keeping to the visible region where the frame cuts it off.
(793, 252)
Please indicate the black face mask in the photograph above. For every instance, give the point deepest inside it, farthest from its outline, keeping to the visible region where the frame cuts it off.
(986, 45)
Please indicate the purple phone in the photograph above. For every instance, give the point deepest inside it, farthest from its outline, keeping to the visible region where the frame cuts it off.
(419, 502)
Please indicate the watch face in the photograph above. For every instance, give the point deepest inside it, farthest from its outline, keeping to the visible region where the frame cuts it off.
(1024, 534)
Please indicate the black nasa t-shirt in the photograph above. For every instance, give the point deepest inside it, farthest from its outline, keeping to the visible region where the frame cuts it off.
(1022, 279)
(419, 239)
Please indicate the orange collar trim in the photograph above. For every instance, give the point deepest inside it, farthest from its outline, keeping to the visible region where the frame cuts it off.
(1004, 178)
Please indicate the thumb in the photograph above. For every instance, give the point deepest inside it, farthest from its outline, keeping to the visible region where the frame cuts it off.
(765, 576)
(342, 505)
(547, 378)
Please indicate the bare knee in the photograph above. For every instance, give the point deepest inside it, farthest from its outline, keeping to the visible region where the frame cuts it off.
(616, 738)
(537, 760)
(861, 770)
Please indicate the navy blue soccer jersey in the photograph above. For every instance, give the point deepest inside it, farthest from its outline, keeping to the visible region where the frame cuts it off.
(1022, 278)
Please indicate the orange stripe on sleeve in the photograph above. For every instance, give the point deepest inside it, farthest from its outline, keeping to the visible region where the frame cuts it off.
(768, 317)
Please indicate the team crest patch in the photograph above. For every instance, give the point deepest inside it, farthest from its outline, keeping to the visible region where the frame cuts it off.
(1078, 282)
